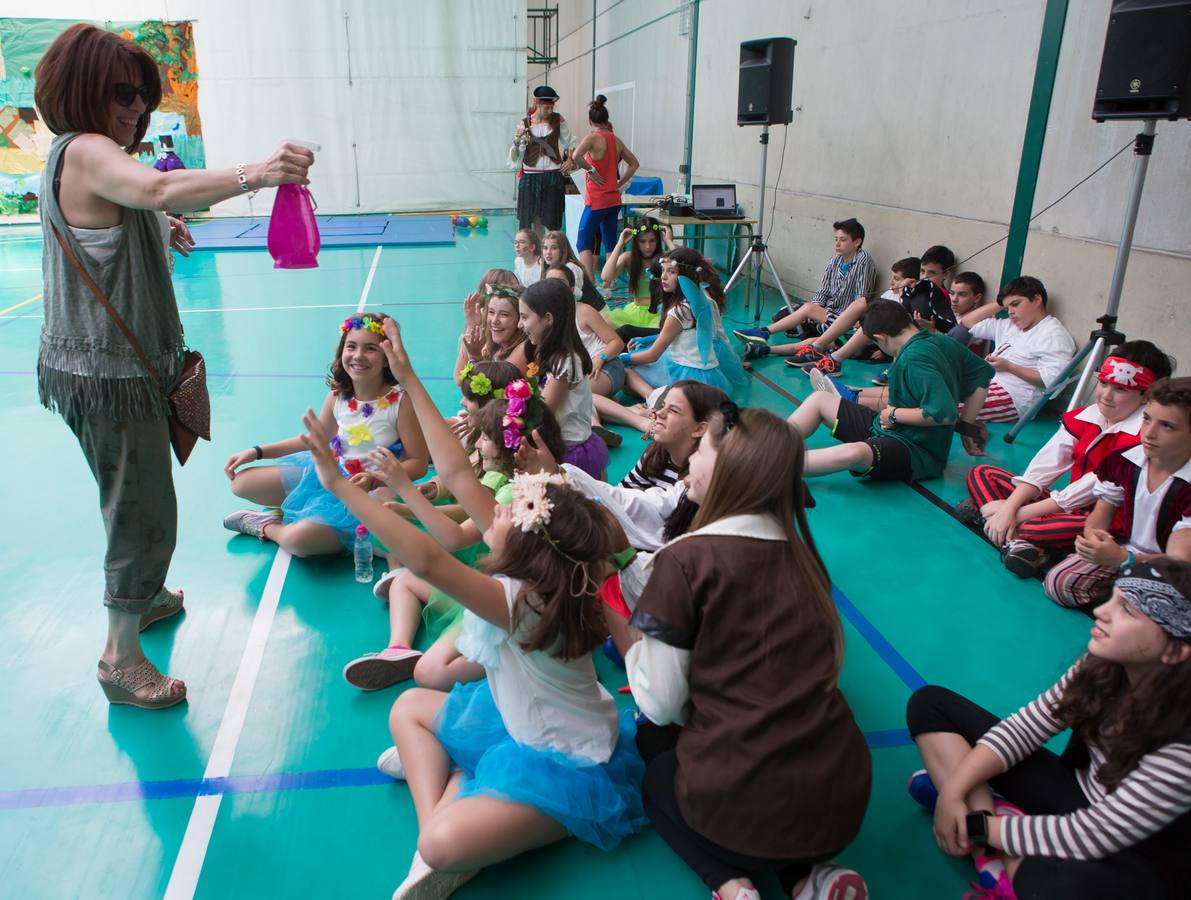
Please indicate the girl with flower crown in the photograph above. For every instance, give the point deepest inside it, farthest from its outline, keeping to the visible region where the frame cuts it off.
(490, 329)
(691, 343)
(537, 751)
(647, 242)
(362, 411)
(548, 317)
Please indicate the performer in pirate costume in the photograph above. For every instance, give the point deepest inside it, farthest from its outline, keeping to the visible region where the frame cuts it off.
(540, 146)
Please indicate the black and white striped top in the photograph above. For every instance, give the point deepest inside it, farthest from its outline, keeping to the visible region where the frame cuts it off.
(1148, 799)
(638, 481)
(839, 287)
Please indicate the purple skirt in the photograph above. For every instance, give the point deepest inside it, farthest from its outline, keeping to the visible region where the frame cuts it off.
(591, 455)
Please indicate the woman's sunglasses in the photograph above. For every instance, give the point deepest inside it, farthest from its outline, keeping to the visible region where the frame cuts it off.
(125, 94)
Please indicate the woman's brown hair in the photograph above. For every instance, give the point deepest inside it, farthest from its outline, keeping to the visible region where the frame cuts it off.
(75, 77)
(338, 380)
(562, 570)
(1126, 720)
(758, 470)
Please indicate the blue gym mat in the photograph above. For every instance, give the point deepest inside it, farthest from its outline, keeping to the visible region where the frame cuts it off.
(335, 231)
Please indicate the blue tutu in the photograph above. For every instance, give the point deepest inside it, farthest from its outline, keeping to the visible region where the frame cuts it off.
(307, 500)
(728, 376)
(599, 804)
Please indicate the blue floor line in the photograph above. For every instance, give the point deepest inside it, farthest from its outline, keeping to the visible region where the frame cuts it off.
(900, 665)
(314, 780)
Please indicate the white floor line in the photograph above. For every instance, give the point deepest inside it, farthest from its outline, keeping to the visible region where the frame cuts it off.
(368, 283)
(189, 863)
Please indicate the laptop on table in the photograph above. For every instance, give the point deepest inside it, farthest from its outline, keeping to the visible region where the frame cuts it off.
(714, 201)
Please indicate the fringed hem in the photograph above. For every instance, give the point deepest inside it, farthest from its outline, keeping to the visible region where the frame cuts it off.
(121, 399)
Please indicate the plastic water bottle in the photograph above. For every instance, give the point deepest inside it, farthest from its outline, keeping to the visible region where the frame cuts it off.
(363, 554)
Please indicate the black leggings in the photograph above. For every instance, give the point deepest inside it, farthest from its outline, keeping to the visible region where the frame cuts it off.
(713, 863)
(1043, 784)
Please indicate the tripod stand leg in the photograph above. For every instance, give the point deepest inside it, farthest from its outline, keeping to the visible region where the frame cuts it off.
(1060, 382)
(776, 281)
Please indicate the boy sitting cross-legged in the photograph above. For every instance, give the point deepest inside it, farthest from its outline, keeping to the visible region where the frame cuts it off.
(1020, 514)
(910, 438)
(1143, 499)
(848, 275)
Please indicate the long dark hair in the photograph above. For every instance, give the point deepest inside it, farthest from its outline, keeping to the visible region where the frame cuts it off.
(561, 341)
(338, 380)
(758, 469)
(1128, 720)
(561, 570)
(637, 261)
(698, 270)
(705, 401)
(75, 77)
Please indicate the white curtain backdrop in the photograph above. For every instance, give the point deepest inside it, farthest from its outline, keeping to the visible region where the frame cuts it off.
(413, 102)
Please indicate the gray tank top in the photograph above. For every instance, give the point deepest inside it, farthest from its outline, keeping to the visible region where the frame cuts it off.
(85, 366)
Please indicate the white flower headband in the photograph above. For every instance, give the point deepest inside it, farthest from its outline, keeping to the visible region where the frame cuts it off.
(531, 510)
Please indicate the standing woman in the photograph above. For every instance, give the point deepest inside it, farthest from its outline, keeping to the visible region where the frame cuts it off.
(599, 154)
(540, 146)
(95, 91)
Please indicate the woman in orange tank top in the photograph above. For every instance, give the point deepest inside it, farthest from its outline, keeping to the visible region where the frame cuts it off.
(599, 154)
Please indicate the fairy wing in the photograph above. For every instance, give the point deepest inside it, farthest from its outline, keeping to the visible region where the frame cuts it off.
(700, 305)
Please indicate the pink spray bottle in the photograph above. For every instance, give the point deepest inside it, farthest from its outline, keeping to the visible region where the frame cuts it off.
(293, 232)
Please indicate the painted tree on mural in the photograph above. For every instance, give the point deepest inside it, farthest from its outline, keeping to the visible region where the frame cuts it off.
(24, 139)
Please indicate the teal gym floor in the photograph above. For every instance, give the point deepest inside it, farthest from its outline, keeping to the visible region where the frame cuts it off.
(264, 784)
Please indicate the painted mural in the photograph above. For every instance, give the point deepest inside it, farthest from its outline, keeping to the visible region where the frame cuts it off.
(24, 139)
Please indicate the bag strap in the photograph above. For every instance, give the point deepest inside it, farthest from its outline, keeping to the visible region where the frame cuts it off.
(103, 300)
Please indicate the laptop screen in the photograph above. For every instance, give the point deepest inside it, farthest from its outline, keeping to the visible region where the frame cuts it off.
(713, 197)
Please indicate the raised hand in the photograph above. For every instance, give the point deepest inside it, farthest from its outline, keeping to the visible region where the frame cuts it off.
(316, 441)
(394, 350)
(534, 457)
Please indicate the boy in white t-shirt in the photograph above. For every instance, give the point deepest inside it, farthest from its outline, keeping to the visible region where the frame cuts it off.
(1032, 348)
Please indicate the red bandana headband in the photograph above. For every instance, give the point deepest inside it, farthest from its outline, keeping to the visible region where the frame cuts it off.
(1126, 374)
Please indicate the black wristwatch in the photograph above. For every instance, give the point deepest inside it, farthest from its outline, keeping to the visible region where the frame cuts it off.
(893, 417)
(977, 823)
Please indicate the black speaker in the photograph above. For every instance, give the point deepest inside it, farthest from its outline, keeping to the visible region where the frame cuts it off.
(1146, 69)
(766, 82)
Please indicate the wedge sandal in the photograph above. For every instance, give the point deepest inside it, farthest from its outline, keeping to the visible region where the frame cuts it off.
(140, 685)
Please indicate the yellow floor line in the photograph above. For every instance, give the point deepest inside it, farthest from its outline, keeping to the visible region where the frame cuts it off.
(19, 305)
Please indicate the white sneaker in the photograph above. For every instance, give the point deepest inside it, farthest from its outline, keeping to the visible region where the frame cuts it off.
(389, 764)
(425, 883)
(831, 882)
(250, 521)
(381, 588)
(742, 894)
(821, 382)
(374, 671)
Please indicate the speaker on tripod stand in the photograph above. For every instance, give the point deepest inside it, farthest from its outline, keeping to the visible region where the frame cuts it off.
(765, 96)
(1145, 74)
